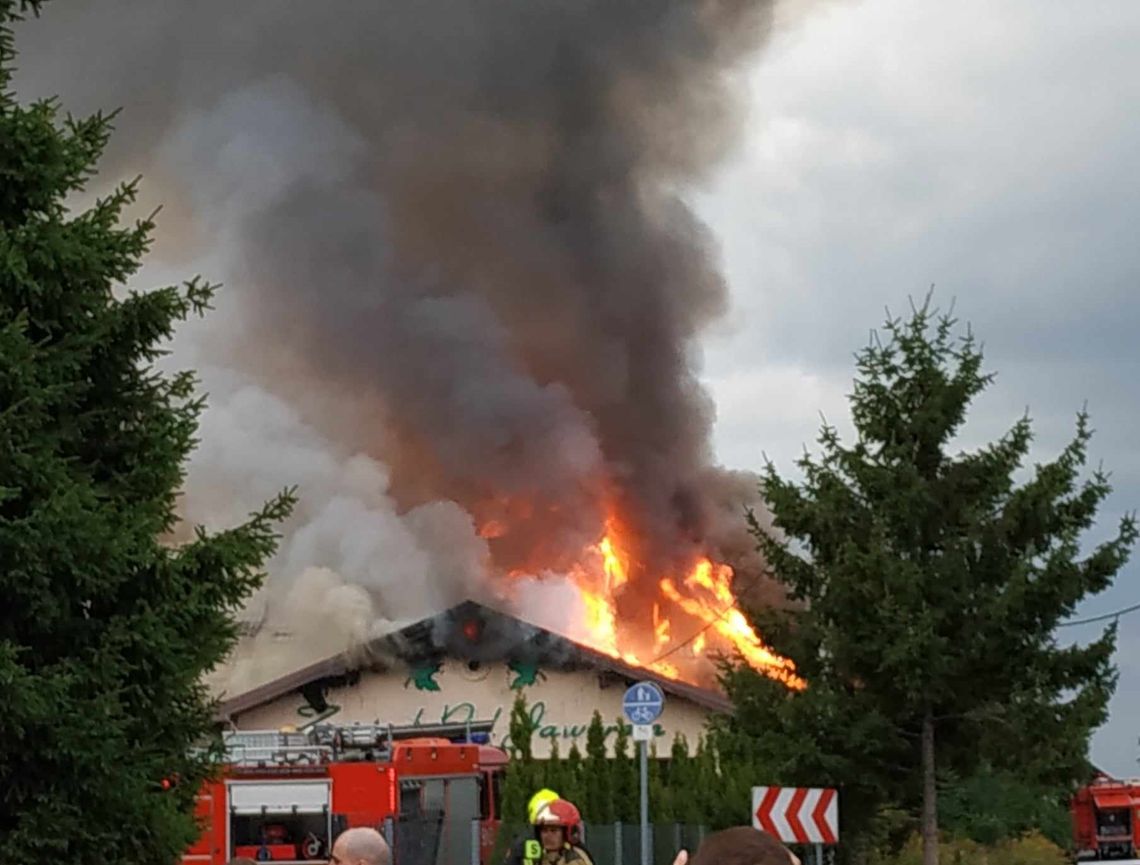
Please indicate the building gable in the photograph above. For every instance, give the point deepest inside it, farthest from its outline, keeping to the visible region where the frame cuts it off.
(469, 663)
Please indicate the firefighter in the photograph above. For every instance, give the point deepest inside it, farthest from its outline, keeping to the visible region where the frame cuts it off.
(525, 848)
(558, 830)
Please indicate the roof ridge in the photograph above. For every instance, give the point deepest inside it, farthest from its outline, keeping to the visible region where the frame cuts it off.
(345, 665)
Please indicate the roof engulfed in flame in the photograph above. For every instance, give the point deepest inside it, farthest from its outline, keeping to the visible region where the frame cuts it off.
(692, 618)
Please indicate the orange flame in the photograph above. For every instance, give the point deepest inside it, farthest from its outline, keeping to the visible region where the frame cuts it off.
(660, 626)
(704, 598)
(492, 529)
(616, 568)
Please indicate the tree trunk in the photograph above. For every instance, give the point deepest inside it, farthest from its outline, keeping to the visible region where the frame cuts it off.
(929, 793)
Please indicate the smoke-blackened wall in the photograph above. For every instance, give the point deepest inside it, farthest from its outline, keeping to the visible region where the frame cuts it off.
(453, 234)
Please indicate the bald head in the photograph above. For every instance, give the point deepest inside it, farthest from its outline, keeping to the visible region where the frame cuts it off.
(361, 846)
(742, 845)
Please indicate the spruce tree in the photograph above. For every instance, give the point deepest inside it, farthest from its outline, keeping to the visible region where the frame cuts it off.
(573, 786)
(933, 581)
(660, 796)
(678, 774)
(599, 790)
(624, 775)
(705, 807)
(553, 776)
(520, 775)
(105, 630)
(679, 779)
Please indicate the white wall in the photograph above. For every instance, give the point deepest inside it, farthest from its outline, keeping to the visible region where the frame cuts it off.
(561, 703)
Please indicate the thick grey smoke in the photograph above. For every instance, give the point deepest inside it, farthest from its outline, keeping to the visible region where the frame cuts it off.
(453, 236)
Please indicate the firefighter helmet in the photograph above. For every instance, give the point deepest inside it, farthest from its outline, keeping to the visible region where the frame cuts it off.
(542, 797)
(560, 813)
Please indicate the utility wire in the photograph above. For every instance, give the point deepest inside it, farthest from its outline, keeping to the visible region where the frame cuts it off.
(1101, 618)
(684, 643)
(678, 646)
(755, 580)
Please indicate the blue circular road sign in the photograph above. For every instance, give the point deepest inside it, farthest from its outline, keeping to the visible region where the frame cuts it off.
(643, 703)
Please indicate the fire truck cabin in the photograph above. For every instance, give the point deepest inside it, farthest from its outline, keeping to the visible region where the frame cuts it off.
(284, 796)
(1106, 821)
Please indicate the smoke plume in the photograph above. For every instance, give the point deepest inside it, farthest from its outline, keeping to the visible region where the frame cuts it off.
(463, 287)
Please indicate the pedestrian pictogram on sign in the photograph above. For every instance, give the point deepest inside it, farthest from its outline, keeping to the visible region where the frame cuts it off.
(797, 815)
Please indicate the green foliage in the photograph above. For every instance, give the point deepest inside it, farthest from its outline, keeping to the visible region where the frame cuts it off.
(682, 777)
(1031, 849)
(518, 784)
(605, 787)
(553, 771)
(520, 730)
(625, 776)
(887, 831)
(661, 795)
(573, 777)
(598, 784)
(990, 807)
(703, 777)
(523, 778)
(106, 631)
(929, 587)
(730, 781)
(820, 737)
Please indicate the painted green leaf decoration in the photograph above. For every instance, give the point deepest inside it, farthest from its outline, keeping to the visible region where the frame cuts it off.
(526, 673)
(423, 677)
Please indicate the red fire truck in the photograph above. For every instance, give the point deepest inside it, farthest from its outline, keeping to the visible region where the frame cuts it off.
(284, 796)
(1106, 821)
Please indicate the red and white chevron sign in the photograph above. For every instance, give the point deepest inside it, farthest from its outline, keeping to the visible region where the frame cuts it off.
(797, 815)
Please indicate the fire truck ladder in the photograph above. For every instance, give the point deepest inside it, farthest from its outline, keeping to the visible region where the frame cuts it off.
(378, 739)
(273, 748)
(328, 742)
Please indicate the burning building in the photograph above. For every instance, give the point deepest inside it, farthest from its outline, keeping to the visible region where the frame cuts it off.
(467, 664)
(465, 292)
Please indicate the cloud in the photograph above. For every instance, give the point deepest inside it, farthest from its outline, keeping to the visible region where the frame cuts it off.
(987, 149)
(774, 410)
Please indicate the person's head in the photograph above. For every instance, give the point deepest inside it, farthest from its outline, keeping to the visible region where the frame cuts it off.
(543, 797)
(552, 837)
(360, 846)
(556, 824)
(741, 845)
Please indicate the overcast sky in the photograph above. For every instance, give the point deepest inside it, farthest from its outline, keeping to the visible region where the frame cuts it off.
(988, 148)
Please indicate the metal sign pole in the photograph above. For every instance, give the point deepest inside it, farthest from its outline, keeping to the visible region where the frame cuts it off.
(643, 749)
(642, 705)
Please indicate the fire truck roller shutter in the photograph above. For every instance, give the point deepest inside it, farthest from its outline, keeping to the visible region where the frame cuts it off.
(461, 805)
(1112, 799)
(293, 797)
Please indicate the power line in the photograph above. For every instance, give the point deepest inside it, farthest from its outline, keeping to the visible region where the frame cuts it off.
(1101, 618)
(684, 643)
(677, 647)
(753, 581)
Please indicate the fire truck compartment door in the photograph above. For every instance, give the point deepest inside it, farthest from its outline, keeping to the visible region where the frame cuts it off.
(301, 797)
(1114, 799)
